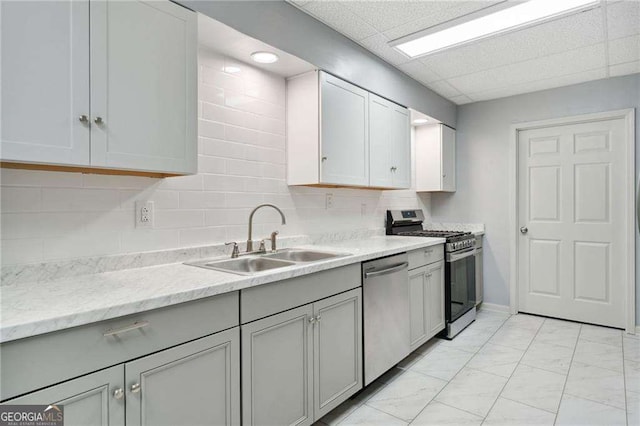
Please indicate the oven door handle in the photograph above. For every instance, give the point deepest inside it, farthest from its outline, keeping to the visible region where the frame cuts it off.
(452, 257)
(391, 270)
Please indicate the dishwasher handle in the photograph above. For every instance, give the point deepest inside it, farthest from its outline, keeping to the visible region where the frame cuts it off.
(386, 271)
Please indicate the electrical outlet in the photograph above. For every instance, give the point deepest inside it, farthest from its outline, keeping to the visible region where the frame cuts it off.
(144, 214)
(329, 201)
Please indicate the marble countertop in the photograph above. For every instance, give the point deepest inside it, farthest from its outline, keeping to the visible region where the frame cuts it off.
(32, 308)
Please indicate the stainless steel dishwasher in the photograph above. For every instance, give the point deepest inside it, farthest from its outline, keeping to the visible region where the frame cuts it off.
(385, 289)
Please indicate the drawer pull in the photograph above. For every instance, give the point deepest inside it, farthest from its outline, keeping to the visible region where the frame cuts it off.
(136, 325)
(135, 388)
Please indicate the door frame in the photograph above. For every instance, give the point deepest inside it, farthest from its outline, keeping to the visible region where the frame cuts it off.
(629, 116)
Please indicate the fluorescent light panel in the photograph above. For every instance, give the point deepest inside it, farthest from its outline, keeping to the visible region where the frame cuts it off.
(505, 20)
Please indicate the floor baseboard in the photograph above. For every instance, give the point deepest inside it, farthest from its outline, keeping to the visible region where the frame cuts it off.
(493, 307)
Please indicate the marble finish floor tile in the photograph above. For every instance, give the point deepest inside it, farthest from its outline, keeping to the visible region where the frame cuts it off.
(596, 384)
(594, 333)
(632, 375)
(538, 388)
(407, 395)
(548, 357)
(438, 414)
(495, 359)
(633, 408)
(442, 363)
(599, 354)
(529, 322)
(513, 337)
(509, 413)
(631, 348)
(576, 411)
(473, 391)
(369, 416)
(470, 340)
(559, 333)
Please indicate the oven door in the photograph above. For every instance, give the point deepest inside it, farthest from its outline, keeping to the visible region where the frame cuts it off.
(460, 283)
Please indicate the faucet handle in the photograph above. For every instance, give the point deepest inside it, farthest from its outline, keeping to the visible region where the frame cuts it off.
(236, 251)
(273, 240)
(262, 247)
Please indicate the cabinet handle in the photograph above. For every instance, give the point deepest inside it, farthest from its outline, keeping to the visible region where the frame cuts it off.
(99, 121)
(318, 318)
(83, 118)
(324, 158)
(118, 393)
(444, 176)
(135, 388)
(312, 320)
(130, 327)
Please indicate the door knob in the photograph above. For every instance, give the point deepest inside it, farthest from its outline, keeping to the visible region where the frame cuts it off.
(98, 120)
(83, 119)
(135, 388)
(118, 393)
(524, 229)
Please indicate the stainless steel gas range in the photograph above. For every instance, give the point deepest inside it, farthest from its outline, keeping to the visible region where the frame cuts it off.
(460, 280)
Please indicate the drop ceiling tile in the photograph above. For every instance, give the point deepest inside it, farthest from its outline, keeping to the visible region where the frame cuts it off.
(443, 88)
(420, 72)
(461, 99)
(538, 85)
(624, 69)
(561, 35)
(384, 15)
(379, 44)
(339, 17)
(571, 62)
(625, 49)
(439, 12)
(623, 19)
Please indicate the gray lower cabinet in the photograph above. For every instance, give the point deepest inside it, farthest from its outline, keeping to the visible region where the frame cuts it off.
(197, 383)
(426, 305)
(299, 364)
(87, 401)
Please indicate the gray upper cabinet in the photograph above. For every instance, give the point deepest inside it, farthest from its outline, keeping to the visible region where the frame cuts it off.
(340, 134)
(96, 399)
(390, 144)
(337, 360)
(100, 84)
(197, 383)
(277, 375)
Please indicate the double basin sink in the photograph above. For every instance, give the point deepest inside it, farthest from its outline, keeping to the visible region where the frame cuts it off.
(252, 264)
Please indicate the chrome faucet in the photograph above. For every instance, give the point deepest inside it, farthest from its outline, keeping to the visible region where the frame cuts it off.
(249, 238)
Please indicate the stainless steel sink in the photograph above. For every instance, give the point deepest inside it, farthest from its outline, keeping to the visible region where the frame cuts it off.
(302, 256)
(245, 265)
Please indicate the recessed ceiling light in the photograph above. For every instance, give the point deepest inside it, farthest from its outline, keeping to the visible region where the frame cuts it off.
(419, 121)
(505, 20)
(264, 57)
(231, 69)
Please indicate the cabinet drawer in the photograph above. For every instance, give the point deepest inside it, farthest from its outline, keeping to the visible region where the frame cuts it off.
(39, 361)
(425, 256)
(259, 302)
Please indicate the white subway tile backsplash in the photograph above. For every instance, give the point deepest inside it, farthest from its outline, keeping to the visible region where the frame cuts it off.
(18, 199)
(50, 215)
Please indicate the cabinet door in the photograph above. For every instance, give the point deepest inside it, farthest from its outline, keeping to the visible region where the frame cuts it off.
(197, 383)
(143, 86)
(344, 133)
(44, 81)
(448, 158)
(479, 273)
(418, 306)
(87, 401)
(337, 347)
(401, 151)
(277, 376)
(435, 297)
(381, 142)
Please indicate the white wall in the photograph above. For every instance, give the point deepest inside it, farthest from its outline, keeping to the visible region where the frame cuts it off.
(483, 155)
(51, 216)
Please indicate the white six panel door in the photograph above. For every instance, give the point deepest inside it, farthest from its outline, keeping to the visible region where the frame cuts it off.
(45, 81)
(572, 258)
